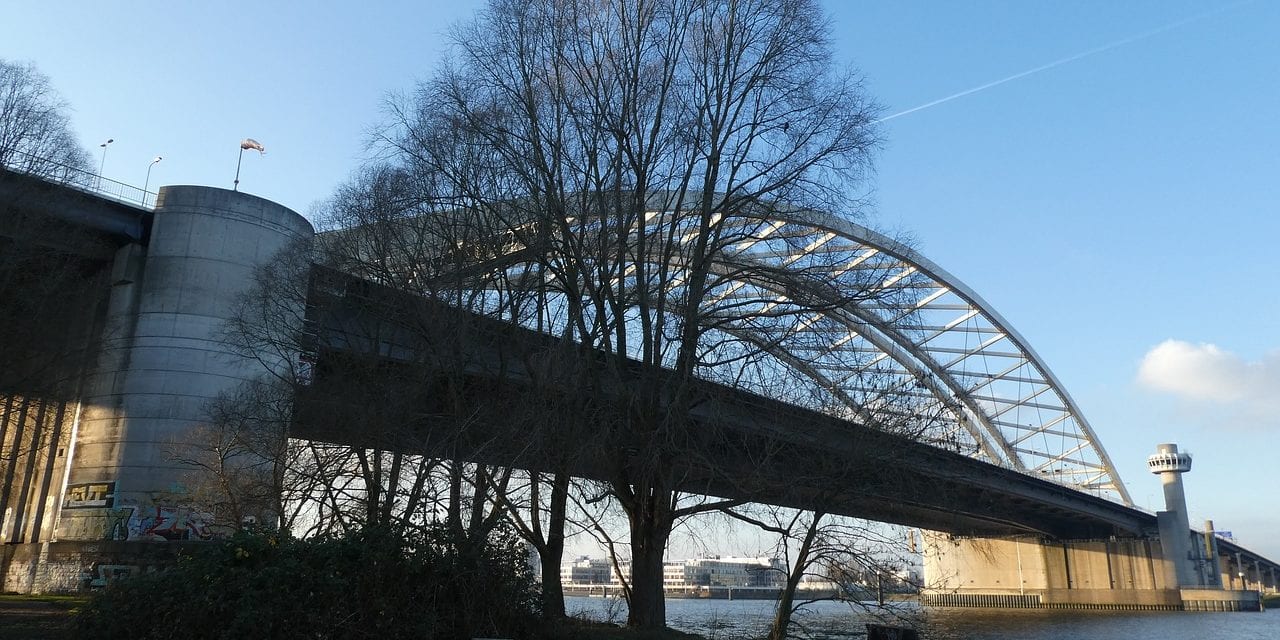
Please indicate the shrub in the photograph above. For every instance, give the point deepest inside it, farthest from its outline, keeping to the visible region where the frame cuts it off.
(372, 584)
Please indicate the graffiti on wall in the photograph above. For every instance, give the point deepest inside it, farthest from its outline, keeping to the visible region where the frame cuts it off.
(159, 524)
(90, 495)
(100, 575)
(172, 523)
(94, 511)
(118, 523)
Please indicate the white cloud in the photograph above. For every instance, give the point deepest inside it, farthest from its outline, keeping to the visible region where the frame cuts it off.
(1204, 374)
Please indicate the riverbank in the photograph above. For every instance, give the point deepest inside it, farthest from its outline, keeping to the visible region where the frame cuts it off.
(54, 617)
(750, 619)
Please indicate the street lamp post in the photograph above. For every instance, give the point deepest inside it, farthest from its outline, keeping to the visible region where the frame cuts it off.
(148, 181)
(103, 163)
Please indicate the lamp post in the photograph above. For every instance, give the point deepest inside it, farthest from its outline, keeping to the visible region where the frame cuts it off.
(148, 181)
(103, 163)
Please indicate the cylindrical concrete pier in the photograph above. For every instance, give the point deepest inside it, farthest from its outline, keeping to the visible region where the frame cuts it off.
(167, 361)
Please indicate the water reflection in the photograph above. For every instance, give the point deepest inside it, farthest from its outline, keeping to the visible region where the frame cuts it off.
(729, 620)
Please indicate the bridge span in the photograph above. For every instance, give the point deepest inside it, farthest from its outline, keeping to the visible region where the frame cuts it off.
(762, 449)
(1012, 467)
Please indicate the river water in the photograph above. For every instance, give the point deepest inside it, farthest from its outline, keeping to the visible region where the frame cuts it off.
(749, 619)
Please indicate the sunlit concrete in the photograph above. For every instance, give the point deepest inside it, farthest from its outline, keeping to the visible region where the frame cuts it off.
(158, 361)
(1085, 574)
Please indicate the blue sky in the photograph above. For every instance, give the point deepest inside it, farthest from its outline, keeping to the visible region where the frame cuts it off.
(1120, 209)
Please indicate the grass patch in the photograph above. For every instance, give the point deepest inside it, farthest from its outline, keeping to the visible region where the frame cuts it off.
(47, 617)
(60, 601)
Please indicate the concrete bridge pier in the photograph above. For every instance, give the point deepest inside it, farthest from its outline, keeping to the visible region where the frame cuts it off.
(1171, 568)
(160, 360)
(1031, 572)
(1114, 574)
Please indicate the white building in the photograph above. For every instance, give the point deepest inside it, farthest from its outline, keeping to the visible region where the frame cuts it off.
(683, 574)
(724, 572)
(591, 571)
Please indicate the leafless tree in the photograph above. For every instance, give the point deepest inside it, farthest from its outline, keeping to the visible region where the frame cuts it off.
(851, 559)
(627, 149)
(592, 170)
(361, 329)
(52, 282)
(35, 125)
(245, 471)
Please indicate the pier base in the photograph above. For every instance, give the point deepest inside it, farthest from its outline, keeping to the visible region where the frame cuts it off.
(1028, 573)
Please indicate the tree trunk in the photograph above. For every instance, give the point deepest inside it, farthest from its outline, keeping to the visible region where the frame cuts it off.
(453, 517)
(553, 554)
(650, 528)
(786, 602)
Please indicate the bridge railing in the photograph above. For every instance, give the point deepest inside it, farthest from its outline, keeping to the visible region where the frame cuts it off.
(75, 178)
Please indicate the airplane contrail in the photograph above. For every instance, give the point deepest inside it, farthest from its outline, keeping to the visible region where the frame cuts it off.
(1072, 58)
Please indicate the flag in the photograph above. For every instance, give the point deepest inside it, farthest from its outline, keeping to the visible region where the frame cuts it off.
(250, 143)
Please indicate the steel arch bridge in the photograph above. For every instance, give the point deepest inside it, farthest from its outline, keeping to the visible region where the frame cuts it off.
(998, 391)
(912, 335)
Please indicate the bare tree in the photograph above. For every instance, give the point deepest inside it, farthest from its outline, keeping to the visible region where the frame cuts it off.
(245, 471)
(851, 559)
(35, 125)
(628, 150)
(594, 171)
(53, 284)
(363, 330)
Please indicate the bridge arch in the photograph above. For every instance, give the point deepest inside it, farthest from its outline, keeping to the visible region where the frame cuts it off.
(929, 338)
(1081, 460)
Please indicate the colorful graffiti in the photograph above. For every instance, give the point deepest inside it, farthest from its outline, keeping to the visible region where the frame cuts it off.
(159, 524)
(94, 511)
(176, 523)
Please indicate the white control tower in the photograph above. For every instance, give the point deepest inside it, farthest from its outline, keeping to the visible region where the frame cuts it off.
(1175, 528)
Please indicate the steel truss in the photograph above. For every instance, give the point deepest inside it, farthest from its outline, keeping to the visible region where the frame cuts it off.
(914, 341)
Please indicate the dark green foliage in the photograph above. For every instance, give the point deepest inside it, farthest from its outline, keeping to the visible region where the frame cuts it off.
(369, 585)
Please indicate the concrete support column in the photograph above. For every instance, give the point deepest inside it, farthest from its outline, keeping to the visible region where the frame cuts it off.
(1175, 529)
(1210, 569)
(165, 360)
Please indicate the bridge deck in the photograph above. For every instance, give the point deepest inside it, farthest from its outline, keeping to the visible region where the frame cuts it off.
(467, 390)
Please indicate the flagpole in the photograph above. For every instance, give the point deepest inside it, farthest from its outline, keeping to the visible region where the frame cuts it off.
(236, 185)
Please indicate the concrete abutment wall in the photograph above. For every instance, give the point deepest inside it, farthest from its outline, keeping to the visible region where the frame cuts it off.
(1122, 573)
(161, 358)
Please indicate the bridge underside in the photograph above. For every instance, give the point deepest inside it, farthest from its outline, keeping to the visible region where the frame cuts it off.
(844, 469)
(485, 407)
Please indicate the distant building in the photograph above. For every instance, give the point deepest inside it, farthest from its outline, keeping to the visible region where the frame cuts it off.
(585, 571)
(734, 572)
(683, 574)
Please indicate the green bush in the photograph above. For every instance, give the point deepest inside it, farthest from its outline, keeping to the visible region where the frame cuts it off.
(368, 585)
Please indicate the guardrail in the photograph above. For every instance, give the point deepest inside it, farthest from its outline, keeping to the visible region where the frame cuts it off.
(75, 177)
